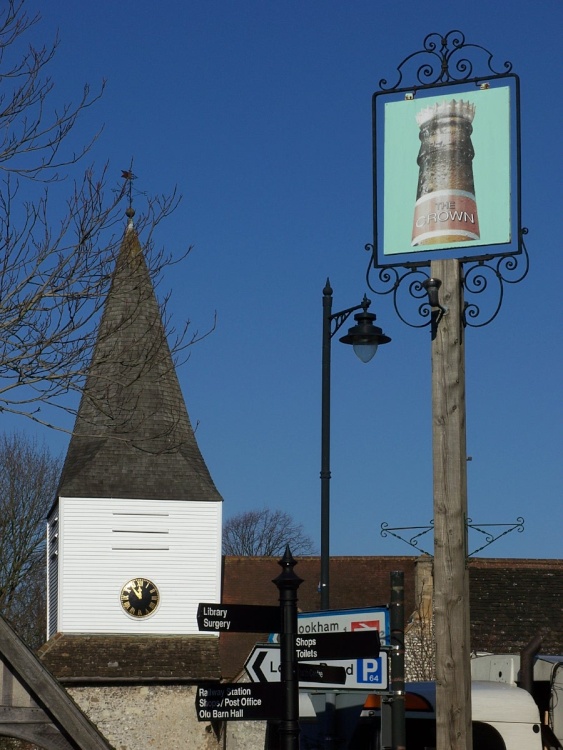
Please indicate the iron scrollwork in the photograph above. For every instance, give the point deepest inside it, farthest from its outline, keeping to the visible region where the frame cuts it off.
(402, 282)
(413, 541)
(482, 528)
(444, 62)
(490, 536)
(478, 277)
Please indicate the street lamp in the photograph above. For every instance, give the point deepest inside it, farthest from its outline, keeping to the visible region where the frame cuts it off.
(365, 337)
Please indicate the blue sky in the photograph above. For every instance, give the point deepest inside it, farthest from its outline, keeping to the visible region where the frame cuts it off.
(260, 114)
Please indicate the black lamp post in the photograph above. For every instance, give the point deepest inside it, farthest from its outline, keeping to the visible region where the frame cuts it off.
(365, 337)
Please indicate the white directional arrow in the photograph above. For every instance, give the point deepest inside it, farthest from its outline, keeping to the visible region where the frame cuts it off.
(263, 664)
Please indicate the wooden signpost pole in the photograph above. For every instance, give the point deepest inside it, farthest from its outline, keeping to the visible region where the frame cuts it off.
(451, 579)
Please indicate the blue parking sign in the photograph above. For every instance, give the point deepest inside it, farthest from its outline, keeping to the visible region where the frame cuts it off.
(370, 671)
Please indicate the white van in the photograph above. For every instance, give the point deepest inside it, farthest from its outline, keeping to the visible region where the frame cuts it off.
(546, 687)
(504, 717)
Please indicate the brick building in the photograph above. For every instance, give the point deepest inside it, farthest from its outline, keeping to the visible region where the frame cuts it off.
(511, 600)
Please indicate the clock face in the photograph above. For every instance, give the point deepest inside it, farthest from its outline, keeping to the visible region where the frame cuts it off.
(139, 597)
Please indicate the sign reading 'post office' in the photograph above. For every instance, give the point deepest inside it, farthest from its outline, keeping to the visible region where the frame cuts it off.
(238, 701)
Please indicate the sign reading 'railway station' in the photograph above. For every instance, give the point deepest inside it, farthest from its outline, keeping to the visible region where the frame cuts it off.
(238, 701)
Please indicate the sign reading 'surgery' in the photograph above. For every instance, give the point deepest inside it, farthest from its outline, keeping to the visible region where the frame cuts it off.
(238, 618)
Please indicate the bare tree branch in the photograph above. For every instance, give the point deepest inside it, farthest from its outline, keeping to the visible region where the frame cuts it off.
(55, 273)
(265, 533)
(31, 136)
(28, 483)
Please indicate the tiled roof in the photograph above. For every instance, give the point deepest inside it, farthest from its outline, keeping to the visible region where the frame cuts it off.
(511, 599)
(133, 437)
(108, 659)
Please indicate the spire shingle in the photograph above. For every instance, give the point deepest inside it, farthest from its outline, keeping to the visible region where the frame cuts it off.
(133, 437)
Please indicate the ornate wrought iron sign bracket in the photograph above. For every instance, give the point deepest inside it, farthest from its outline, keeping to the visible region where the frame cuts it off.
(413, 540)
(490, 537)
(447, 64)
(501, 529)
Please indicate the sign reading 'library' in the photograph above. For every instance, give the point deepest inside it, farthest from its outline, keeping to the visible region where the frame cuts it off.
(238, 618)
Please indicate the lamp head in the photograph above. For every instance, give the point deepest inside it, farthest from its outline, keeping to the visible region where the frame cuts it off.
(365, 337)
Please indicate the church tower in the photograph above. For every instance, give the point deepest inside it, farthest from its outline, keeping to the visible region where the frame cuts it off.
(136, 500)
(134, 536)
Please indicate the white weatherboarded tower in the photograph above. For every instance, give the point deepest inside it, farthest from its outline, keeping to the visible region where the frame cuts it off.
(136, 503)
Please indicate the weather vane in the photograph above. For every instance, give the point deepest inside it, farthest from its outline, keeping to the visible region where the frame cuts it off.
(128, 176)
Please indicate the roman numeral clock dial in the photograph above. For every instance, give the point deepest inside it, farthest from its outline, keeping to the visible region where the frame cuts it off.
(139, 597)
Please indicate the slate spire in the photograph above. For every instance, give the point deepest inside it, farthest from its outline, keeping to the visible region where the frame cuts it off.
(132, 436)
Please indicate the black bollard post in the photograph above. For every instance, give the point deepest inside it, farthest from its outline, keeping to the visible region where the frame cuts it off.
(288, 582)
(397, 615)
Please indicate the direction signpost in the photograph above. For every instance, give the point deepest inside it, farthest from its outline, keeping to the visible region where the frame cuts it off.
(346, 621)
(238, 618)
(347, 643)
(338, 645)
(321, 673)
(238, 701)
(362, 673)
(263, 664)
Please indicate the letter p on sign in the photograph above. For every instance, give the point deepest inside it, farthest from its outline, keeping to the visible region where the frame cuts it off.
(369, 670)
